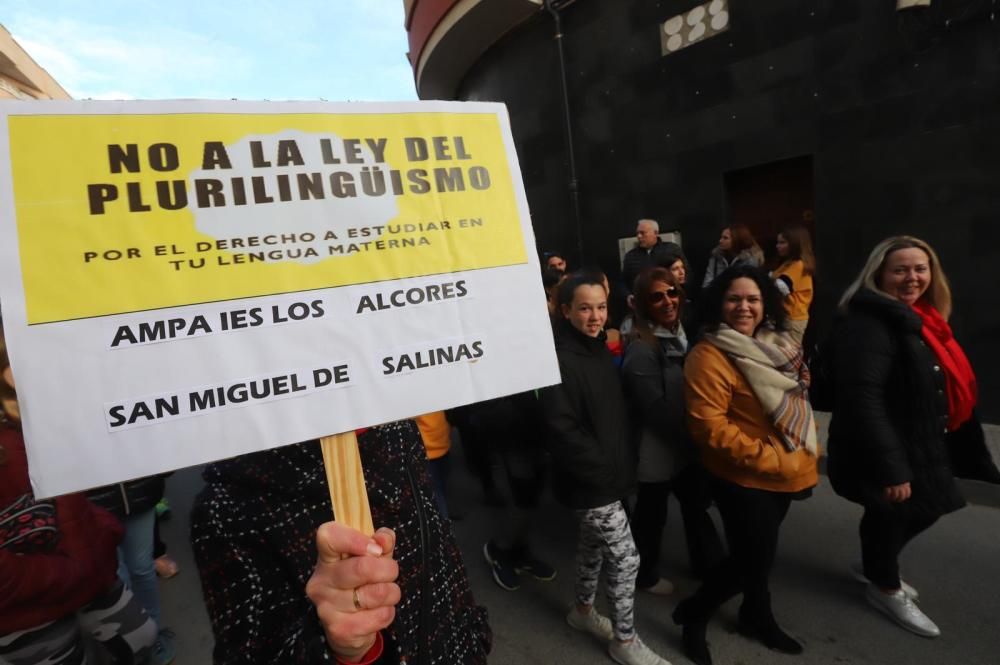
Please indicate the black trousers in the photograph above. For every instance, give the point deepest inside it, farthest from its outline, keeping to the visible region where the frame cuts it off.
(752, 519)
(693, 492)
(885, 529)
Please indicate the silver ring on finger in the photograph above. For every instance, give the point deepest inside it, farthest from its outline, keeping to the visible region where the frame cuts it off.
(357, 601)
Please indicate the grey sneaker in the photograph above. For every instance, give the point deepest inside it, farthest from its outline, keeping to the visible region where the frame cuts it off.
(858, 571)
(634, 653)
(899, 607)
(593, 622)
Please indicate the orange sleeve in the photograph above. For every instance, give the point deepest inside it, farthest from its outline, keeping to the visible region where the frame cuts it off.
(436, 433)
(798, 301)
(708, 387)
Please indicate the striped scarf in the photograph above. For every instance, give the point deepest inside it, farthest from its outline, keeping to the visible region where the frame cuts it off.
(773, 366)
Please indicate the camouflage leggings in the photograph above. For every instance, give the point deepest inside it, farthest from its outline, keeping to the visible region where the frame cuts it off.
(605, 544)
(114, 619)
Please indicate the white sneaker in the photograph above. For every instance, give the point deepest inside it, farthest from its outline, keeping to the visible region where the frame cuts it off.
(634, 653)
(858, 570)
(663, 587)
(899, 607)
(593, 622)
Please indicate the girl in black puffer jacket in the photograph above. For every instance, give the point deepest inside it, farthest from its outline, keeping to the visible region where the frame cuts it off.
(594, 461)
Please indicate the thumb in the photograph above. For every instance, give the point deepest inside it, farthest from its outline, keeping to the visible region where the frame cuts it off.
(334, 541)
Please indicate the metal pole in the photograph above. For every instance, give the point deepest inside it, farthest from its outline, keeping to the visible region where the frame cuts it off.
(574, 185)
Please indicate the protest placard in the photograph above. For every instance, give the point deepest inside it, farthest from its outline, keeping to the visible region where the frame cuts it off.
(188, 281)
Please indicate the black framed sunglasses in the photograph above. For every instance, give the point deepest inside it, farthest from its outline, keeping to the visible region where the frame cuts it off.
(657, 296)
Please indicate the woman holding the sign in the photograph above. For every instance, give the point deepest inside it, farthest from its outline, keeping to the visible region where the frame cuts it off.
(284, 585)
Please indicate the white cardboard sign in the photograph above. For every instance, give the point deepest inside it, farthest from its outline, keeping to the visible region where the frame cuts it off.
(188, 281)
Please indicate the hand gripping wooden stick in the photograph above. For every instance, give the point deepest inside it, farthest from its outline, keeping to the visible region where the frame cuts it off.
(346, 481)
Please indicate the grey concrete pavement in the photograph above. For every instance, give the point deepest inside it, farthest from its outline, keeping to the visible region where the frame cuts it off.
(955, 565)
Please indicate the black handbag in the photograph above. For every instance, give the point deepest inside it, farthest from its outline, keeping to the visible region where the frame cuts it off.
(970, 457)
(821, 380)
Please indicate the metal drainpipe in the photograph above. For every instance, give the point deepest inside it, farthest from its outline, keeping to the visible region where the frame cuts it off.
(574, 185)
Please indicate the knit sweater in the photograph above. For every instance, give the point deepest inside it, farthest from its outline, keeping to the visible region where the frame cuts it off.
(253, 531)
(56, 555)
(737, 440)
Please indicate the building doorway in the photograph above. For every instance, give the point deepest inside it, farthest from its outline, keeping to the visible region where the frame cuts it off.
(771, 196)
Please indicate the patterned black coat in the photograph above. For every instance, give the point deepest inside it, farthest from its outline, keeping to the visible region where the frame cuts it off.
(253, 530)
(890, 412)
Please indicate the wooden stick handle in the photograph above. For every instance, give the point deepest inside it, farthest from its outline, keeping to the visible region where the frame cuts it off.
(346, 481)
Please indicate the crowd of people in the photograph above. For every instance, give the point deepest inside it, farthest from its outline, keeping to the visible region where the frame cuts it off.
(698, 393)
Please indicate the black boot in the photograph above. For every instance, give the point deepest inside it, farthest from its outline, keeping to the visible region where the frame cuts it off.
(762, 626)
(693, 633)
(695, 644)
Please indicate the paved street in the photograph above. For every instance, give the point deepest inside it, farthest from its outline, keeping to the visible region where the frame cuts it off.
(955, 565)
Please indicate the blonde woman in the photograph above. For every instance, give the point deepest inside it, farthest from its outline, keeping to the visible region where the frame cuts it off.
(903, 388)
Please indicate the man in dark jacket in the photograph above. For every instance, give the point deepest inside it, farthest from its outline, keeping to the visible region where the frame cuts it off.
(589, 439)
(651, 252)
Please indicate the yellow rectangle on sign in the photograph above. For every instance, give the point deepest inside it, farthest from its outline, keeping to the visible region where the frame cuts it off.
(125, 213)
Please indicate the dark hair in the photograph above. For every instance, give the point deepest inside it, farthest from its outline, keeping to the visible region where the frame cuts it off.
(551, 277)
(574, 281)
(593, 271)
(742, 239)
(712, 298)
(800, 247)
(549, 254)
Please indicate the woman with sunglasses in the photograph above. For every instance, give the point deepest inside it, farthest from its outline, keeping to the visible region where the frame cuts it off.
(749, 414)
(653, 374)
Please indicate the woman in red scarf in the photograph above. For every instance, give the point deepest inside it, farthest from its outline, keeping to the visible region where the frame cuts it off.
(903, 414)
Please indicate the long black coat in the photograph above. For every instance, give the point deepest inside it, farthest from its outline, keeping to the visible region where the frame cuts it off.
(589, 434)
(890, 412)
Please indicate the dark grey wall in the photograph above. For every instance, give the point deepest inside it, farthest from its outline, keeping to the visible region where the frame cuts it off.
(900, 111)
